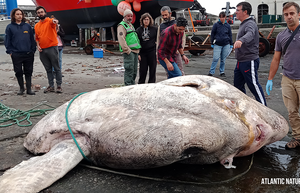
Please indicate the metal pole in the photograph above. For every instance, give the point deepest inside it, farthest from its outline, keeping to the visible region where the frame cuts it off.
(10, 5)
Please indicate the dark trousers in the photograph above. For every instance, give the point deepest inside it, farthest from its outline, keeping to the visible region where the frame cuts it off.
(49, 58)
(148, 60)
(130, 65)
(23, 63)
(246, 72)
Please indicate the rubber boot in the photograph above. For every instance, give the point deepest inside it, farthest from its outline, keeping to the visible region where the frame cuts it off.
(21, 84)
(28, 85)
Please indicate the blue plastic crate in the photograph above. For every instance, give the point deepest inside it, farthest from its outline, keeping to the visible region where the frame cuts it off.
(98, 53)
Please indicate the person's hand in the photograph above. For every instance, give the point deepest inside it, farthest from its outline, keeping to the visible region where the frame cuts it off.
(10, 54)
(231, 46)
(170, 66)
(55, 21)
(186, 60)
(139, 57)
(237, 44)
(157, 61)
(212, 46)
(269, 86)
(39, 48)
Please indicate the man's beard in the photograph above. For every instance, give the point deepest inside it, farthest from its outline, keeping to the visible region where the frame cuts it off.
(167, 19)
(42, 17)
(128, 20)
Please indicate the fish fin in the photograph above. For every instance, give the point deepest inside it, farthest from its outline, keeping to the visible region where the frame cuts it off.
(190, 81)
(227, 162)
(39, 172)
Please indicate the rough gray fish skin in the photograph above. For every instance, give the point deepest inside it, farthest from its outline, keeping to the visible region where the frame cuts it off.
(189, 119)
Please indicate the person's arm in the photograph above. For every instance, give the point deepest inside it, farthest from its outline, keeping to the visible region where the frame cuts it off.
(230, 35)
(33, 43)
(248, 37)
(274, 65)
(183, 40)
(273, 69)
(161, 50)
(181, 52)
(37, 39)
(61, 32)
(139, 34)
(157, 37)
(7, 40)
(212, 34)
(122, 39)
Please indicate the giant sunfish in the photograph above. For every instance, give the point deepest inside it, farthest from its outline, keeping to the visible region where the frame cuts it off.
(188, 119)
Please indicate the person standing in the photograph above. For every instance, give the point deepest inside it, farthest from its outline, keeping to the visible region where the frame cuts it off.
(170, 43)
(290, 82)
(221, 42)
(247, 53)
(147, 35)
(129, 46)
(169, 21)
(61, 44)
(46, 39)
(21, 46)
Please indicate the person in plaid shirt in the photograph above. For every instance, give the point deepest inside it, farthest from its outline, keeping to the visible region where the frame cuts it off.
(170, 41)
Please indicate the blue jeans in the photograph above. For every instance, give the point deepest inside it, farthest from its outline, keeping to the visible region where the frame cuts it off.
(219, 52)
(176, 72)
(60, 52)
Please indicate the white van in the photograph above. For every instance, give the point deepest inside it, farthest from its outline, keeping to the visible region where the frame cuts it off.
(238, 22)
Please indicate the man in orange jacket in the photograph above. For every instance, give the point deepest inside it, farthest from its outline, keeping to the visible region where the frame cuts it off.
(46, 39)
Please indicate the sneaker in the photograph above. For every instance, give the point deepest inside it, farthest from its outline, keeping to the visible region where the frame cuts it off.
(209, 74)
(223, 74)
(293, 144)
(49, 89)
(59, 89)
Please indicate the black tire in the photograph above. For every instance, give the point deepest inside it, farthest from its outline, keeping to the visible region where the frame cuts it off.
(264, 47)
(199, 40)
(88, 49)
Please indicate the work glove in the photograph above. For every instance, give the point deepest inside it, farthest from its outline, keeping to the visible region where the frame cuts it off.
(231, 46)
(269, 86)
(212, 46)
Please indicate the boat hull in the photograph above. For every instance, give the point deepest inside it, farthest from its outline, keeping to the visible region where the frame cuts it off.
(70, 14)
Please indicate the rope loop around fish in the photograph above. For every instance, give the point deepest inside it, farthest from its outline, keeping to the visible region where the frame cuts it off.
(67, 121)
(171, 181)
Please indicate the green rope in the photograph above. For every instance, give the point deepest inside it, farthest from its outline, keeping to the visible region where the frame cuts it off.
(14, 116)
(70, 127)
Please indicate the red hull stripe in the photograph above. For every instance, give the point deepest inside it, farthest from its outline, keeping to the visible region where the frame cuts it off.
(61, 5)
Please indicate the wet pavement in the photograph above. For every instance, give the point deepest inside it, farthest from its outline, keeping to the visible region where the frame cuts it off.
(85, 73)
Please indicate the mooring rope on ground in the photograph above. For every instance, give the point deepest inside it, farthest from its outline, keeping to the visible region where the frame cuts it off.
(14, 116)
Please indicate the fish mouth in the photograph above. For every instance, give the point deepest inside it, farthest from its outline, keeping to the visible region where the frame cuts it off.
(259, 134)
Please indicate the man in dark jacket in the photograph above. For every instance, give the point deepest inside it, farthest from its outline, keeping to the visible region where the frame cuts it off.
(221, 42)
(21, 46)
